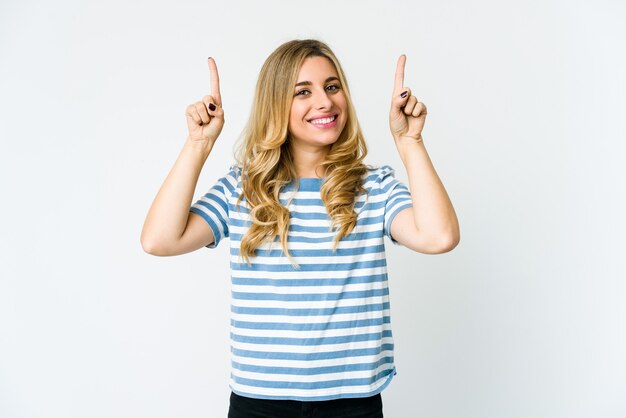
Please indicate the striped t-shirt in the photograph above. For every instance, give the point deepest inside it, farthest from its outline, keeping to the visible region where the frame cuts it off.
(322, 330)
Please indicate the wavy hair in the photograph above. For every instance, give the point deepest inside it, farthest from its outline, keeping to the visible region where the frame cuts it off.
(266, 160)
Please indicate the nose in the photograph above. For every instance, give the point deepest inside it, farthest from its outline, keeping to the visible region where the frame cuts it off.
(323, 100)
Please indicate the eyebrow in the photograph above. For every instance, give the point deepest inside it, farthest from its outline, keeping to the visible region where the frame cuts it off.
(308, 83)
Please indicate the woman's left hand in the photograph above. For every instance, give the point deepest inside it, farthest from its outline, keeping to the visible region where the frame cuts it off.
(407, 114)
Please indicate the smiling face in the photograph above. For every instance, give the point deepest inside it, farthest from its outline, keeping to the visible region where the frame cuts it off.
(319, 108)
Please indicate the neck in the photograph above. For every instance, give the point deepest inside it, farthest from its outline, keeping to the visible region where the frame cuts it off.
(307, 161)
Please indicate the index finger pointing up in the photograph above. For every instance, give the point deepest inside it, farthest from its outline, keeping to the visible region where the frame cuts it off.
(215, 82)
(399, 82)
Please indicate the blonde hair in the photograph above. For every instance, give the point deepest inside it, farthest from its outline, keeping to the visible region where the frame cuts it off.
(265, 157)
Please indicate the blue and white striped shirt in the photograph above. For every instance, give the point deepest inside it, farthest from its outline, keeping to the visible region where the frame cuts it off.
(321, 331)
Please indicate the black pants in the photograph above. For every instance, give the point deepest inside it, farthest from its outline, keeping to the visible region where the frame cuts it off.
(242, 407)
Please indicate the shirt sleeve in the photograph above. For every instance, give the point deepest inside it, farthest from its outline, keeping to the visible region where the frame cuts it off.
(213, 206)
(397, 198)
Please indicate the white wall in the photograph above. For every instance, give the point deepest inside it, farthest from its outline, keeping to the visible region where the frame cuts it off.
(526, 103)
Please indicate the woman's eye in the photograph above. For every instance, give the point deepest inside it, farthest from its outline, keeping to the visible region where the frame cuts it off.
(306, 92)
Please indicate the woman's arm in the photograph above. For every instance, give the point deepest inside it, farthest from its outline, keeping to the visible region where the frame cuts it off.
(169, 228)
(431, 225)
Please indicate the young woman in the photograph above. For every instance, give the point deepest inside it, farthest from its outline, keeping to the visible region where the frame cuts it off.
(306, 220)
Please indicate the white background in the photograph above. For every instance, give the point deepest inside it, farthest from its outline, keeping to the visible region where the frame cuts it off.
(525, 126)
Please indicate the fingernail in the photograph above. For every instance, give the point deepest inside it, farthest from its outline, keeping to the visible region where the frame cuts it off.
(404, 94)
(212, 107)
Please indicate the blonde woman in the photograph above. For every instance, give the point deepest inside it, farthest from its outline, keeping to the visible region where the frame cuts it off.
(306, 221)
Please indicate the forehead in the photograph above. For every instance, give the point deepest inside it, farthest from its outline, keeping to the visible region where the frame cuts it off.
(314, 68)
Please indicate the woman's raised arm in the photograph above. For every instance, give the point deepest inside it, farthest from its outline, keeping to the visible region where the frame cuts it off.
(169, 228)
(431, 225)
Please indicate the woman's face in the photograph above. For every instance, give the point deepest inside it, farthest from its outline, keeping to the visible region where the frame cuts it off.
(319, 108)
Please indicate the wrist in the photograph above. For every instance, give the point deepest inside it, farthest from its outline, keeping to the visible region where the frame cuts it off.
(409, 145)
(202, 148)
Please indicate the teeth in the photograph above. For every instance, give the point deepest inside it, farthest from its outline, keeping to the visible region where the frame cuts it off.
(323, 120)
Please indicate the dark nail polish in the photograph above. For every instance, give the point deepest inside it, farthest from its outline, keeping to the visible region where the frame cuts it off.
(404, 94)
(212, 107)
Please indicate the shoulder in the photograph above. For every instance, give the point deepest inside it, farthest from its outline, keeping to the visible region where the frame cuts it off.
(231, 181)
(234, 171)
(378, 176)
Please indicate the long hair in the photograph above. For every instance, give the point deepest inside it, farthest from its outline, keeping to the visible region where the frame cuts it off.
(265, 157)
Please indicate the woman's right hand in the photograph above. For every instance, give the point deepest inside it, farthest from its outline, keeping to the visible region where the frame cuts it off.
(205, 118)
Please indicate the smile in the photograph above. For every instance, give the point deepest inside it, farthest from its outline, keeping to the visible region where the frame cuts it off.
(322, 122)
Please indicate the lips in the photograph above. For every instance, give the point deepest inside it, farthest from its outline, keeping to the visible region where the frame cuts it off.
(323, 120)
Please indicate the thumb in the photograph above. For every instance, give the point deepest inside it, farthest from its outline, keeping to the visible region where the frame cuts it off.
(214, 110)
(400, 100)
